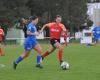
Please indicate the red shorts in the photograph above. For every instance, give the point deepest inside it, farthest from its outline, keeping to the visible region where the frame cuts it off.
(0, 41)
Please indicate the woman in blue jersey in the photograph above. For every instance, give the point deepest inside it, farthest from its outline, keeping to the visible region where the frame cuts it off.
(30, 43)
(96, 33)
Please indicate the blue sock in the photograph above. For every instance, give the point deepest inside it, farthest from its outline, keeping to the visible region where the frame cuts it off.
(19, 60)
(38, 59)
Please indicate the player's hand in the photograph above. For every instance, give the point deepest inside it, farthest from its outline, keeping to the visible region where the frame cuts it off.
(40, 31)
(36, 34)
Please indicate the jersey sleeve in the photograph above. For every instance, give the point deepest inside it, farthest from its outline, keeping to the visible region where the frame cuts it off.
(50, 24)
(29, 28)
(1, 31)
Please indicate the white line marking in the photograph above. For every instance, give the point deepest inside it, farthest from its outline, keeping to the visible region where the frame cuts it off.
(2, 65)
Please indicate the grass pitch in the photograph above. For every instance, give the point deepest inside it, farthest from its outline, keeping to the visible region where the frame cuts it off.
(83, 60)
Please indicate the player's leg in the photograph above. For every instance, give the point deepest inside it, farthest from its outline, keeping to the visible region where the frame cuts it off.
(60, 54)
(55, 44)
(49, 51)
(96, 40)
(59, 46)
(20, 58)
(67, 41)
(25, 54)
(1, 50)
(39, 58)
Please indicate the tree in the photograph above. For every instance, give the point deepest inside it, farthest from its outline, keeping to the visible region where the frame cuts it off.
(77, 13)
(37, 7)
(74, 12)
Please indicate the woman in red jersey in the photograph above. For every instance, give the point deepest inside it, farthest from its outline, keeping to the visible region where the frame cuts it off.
(56, 28)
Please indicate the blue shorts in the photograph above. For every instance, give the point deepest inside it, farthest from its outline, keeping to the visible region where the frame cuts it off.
(30, 45)
(96, 39)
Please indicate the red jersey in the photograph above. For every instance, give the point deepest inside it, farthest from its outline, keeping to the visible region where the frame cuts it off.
(55, 30)
(1, 34)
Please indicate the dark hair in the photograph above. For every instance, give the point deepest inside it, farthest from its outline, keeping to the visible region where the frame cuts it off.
(58, 16)
(34, 17)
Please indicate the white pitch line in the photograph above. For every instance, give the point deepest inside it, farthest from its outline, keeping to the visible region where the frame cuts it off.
(2, 65)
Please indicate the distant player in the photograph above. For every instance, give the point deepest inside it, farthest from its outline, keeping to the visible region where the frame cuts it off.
(96, 34)
(1, 38)
(56, 28)
(31, 43)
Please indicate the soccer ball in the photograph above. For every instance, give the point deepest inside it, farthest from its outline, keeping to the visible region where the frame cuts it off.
(64, 65)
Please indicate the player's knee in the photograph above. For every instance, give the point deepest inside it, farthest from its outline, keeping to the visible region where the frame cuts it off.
(26, 56)
(39, 50)
(61, 48)
(50, 51)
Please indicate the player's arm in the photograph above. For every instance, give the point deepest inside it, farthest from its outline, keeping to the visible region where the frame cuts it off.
(29, 32)
(46, 25)
(64, 31)
(64, 28)
(33, 34)
(3, 33)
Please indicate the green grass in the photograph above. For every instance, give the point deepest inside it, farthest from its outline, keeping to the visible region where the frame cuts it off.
(83, 60)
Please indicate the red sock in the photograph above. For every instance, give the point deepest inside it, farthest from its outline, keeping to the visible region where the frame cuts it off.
(45, 54)
(1, 52)
(60, 55)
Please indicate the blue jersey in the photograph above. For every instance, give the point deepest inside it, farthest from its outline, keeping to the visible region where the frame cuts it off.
(96, 32)
(31, 28)
(30, 41)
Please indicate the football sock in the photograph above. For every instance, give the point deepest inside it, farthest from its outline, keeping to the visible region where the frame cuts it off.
(60, 55)
(1, 52)
(38, 59)
(19, 60)
(45, 54)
